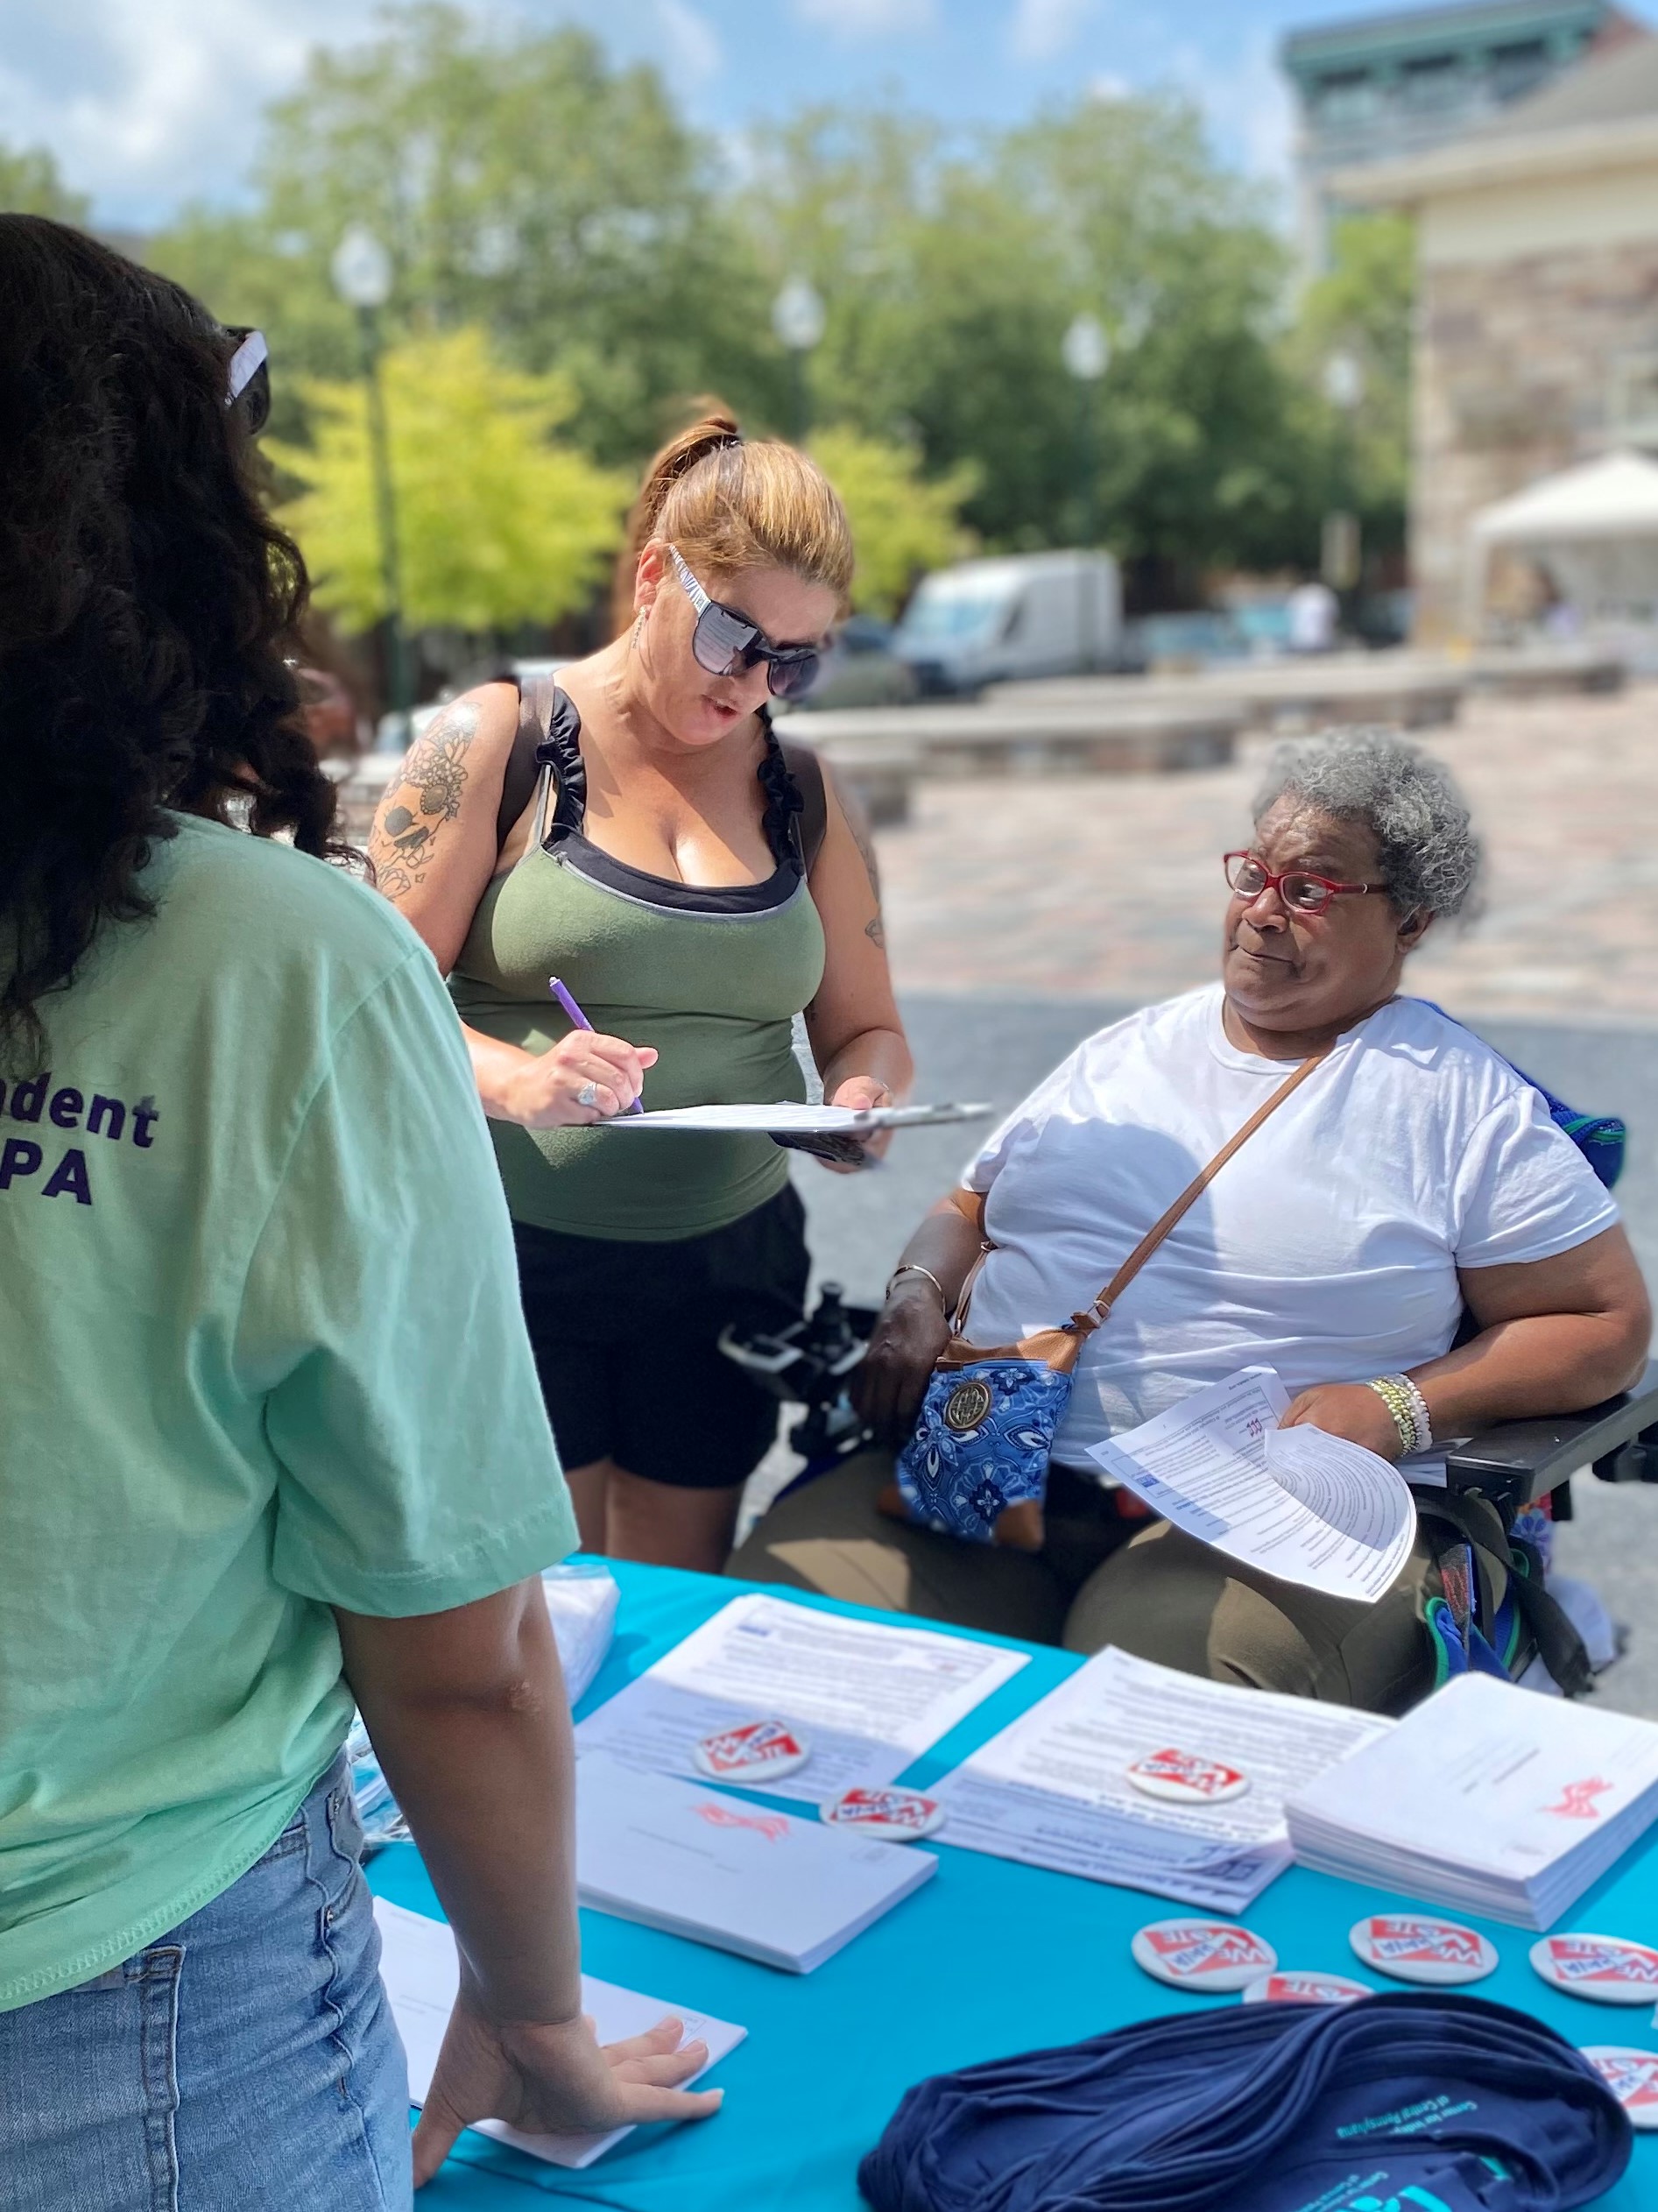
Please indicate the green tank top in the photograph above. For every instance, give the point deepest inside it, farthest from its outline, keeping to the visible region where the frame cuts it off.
(713, 978)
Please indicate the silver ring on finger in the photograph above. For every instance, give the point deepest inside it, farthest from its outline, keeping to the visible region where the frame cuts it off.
(588, 1094)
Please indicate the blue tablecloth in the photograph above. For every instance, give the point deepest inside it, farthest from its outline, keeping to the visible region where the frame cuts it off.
(989, 1959)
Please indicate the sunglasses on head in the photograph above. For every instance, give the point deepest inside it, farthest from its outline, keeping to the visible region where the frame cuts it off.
(248, 379)
(727, 643)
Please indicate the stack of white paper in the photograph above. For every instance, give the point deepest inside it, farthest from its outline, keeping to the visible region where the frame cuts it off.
(421, 1976)
(1052, 1788)
(698, 1863)
(1301, 1505)
(1486, 1798)
(867, 1698)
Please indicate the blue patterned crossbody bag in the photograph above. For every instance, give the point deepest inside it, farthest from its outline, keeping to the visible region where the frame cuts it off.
(977, 1466)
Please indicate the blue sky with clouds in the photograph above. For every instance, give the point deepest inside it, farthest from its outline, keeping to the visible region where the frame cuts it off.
(147, 103)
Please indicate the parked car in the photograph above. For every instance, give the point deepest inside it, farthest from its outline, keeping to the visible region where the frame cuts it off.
(862, 669)
(1180, 644)
(1032, 614)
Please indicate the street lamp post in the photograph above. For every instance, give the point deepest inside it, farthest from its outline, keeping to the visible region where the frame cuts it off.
(1086, 352)
(362, 272)
(1340, 554)
(798, 320)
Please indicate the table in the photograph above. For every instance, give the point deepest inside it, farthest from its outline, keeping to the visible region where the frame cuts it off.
(989, 1958)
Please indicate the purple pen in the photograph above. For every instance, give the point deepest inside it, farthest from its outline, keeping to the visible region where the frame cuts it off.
(579, 1020)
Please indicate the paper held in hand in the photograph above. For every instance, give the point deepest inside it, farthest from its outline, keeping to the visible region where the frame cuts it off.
(867, 1699)
(421, 1974)
(1297, 1503)
(789, 1118)
(1057, 1788)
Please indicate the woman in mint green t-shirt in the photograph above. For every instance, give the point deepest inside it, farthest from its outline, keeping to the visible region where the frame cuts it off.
(259, 1456)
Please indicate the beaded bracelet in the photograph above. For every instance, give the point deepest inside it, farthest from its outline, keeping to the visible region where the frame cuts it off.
(1409, 1409)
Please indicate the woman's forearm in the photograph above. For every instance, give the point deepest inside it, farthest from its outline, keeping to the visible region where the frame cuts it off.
(1543, 1364)
(947, 1245)
(497, 1068)
(475, 1744)
(882, 1054)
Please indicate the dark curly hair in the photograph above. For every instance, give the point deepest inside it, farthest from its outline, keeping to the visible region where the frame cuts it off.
(148, 607)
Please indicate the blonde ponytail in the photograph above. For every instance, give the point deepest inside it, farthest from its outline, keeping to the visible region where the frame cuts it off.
(731, 504)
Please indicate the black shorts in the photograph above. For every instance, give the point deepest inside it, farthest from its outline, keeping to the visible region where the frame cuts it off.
(627, 1342)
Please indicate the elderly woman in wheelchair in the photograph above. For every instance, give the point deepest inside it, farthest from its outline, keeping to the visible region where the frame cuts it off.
(1409, 1239)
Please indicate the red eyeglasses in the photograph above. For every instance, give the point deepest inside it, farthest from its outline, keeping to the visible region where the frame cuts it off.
(1302, 892)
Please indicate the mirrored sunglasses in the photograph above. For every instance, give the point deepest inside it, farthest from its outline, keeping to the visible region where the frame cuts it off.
(248, 379)
(727, 643)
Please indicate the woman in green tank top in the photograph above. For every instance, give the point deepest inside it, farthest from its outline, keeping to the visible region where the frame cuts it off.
(696, 889)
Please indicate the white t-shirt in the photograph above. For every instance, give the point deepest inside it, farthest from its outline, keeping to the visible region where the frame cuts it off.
(1328, 1247)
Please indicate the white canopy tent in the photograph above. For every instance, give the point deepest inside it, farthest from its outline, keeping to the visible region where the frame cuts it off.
(1594, 529)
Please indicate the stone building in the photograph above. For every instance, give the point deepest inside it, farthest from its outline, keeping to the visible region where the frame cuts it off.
(1537, 305)
(1384, 86)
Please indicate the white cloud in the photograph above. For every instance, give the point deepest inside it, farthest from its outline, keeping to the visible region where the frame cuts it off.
(144, 101)
(693, 53)
(1106, 85)
(1042, 28)
(854, 19)
(1247, 103)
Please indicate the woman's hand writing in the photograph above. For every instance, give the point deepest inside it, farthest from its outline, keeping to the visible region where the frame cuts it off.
(909, 1334)
(1350, 1409)
(553, 2079)
(546, 1092)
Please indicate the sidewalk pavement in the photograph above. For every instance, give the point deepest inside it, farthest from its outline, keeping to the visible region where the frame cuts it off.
(1110, 886)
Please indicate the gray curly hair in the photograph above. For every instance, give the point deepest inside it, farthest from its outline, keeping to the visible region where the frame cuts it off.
(1430, 857)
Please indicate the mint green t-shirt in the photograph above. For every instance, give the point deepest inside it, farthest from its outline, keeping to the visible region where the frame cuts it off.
(261, 1353)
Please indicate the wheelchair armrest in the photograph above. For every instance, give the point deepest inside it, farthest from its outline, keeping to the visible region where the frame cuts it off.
(1521, 1460)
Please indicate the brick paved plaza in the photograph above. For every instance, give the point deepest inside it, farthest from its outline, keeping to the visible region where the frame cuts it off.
(1110, 886)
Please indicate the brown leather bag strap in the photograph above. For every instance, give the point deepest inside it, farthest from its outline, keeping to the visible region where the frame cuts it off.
(1091, 1318)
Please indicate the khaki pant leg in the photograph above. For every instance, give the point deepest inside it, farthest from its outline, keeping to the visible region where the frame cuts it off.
(830, 1536)
(1168, 1598)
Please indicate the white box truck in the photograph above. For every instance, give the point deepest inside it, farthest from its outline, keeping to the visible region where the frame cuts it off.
(1029, 614)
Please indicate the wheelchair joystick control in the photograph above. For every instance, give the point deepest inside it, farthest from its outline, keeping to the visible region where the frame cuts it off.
(810, 1364)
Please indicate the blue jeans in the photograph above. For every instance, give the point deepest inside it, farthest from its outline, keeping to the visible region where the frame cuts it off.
(246, 2061)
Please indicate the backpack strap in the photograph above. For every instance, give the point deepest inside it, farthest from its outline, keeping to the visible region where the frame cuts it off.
(806, 769)
(523, 770)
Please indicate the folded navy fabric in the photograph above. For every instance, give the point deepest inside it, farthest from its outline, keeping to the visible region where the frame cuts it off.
(1421, 2101)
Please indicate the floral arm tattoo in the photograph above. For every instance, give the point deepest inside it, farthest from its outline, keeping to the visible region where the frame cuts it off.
(427, 795)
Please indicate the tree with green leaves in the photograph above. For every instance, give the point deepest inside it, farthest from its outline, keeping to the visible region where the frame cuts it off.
(950, 277)
(902, 524)
(499, 520)
(521, 184)
(29, 184)
(1364, 306)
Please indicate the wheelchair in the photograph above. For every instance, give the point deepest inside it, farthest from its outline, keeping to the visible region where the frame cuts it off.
(1499, 1472)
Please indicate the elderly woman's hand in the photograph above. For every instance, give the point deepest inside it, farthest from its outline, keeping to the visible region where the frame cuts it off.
(1350, 1409)
(904, 1345)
